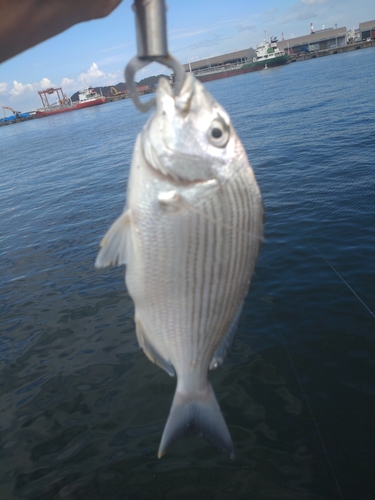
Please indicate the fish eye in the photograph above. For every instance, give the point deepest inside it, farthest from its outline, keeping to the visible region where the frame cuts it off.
(218, 133)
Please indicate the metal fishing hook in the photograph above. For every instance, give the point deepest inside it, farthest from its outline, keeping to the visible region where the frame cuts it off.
(152, 46)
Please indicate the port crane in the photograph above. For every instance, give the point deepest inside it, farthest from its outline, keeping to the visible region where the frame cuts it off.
(114, 91)
(16, 113)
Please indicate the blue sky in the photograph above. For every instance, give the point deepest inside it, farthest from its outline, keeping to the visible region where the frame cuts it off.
(97, 51)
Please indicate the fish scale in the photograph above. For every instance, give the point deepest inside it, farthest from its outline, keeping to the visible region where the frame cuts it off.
(190, 236)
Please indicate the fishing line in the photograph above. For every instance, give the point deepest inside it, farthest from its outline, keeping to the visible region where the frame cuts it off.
(346, 283)
(307, 404)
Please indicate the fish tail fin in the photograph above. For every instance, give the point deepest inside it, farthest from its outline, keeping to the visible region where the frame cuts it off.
(201, 411)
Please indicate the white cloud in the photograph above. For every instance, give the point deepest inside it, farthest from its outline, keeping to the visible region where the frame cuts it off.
(69, 85)
(46, 83)
(94, 73)
(271, 14)
(20, 89)
(24, 95)
(118, 76)
(299, 12)
(212, 40)
(96, 77)
(244, 27)
(66, 81)
(182, 33)
(315, 2)
(115, 47)
(93, 76)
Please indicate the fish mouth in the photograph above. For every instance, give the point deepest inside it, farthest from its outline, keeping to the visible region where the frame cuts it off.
(166, 96)
(162, 168)
(164, 86)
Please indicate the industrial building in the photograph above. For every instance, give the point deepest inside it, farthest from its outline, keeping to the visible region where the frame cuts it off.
(316, 40)
(367, 30)
(237, 57)
(326, 38)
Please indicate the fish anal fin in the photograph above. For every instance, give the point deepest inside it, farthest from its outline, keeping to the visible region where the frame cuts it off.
(115, 244)
(224, 348)
(150, 351)
(201, 411)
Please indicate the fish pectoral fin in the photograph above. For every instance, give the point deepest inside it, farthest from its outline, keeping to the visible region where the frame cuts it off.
(189, 198)
(150, 351)
(224, 348)
(115, 244)
(201, 411)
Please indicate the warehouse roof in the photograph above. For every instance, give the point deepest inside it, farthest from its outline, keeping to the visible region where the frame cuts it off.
(317, 36)
(366, 25)
(223, 59)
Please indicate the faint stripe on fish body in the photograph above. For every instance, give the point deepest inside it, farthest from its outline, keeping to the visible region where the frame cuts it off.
(236, 234)
(182, 272)
(240, 237)
(195, 334)
(216, 270)
(211, 288)
(212, 269)
(205, 269)
(250, 229)
(199, 296)
(223, 271)
(234, 272)
(189, 285)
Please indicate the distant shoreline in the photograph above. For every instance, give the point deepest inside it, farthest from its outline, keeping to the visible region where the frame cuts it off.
(302, 56)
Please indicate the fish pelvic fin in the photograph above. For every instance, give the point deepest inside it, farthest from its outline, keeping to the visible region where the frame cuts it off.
(150, 350)
(115, 244)
(200, 411)
(225, 347)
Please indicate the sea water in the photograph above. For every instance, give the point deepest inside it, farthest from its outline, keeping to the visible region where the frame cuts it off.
(81, 407)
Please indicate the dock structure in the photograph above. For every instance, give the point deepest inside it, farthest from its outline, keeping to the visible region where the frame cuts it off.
(16, 117)
(327, 41)
(305, 56)
(317, 43)
(320, 43)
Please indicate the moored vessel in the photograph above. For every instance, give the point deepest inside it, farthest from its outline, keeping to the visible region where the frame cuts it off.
(86, 98)
(267, 54)
(223, 71)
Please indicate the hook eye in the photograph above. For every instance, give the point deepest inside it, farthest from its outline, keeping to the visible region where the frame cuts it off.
(132, 67)
(136, 64)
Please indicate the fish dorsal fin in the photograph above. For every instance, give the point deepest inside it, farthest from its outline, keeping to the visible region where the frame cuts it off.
(115, 244)
(150, 350)
(224, 348)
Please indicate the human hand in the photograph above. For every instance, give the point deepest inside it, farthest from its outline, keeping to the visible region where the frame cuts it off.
(25, 23)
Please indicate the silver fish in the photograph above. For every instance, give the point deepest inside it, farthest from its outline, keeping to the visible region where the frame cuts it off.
(189, 236)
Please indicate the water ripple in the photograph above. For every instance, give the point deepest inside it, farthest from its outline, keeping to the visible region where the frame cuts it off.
(82, 409)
